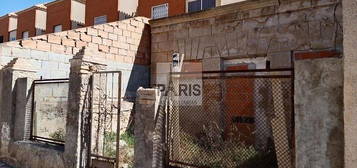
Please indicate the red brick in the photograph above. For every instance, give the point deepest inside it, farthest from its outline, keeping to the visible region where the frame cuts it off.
(315, 55)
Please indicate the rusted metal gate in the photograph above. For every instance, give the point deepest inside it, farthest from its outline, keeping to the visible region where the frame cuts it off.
(105, 119)
(231, 119)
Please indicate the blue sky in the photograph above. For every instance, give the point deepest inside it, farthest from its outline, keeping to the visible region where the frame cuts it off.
(7, 6)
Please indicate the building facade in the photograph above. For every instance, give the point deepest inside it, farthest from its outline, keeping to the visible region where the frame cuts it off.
(31, 22)
(8, 26)
(65, 15)
(156, 9)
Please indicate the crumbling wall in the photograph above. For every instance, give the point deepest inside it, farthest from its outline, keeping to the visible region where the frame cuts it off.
(249, 29)
(318, 113)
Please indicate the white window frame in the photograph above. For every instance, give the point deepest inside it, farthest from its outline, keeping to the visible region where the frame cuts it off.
(97, 21)
(25, 35)
(55, 28)
(152, 10)
(14, 33)
(187, 1)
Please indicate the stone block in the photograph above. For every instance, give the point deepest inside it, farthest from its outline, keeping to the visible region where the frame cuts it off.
(57, 48)
(107, 42)
(85, 38)
(118, 31)
(73, 35)
(68, 42)
(126, 33)
(103, 34)
(97, 40)
(43, 46)
(54, 39)
(114, 50)
(108, 28)
(91, 31)
(28, 44)
(103, 48)
(80, 44)
(113, 36)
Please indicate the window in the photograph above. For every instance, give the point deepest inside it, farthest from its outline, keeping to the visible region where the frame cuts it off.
(12, 35)
(100, 20)
(25, 35)
(49, 112)
(39, 32)
(198, 5)
(76, 25)
(160, 11)
(1, 39)
(57, 28)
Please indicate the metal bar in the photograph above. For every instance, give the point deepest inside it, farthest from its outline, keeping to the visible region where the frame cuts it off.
(33, 104)
(103, 72)
(235, 71)
(248, 76)
(89, 160)
(58, 79)
(51, 82)
(187, 164)
(118, 118)
(102, 157)
(48, 140)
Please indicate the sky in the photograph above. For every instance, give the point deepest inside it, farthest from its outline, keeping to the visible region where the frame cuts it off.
(8, 6)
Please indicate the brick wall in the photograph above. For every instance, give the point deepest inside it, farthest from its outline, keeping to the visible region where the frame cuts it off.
(176, 7)
(4, 27)
(126, 41)
(95, 8)
(58, 13)
(26, 22)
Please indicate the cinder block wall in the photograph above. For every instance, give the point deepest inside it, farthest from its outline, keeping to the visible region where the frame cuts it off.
(122, 45)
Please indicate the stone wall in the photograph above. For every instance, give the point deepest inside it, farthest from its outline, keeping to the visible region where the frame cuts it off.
(318, 113)
(350, 78)
(250, 29)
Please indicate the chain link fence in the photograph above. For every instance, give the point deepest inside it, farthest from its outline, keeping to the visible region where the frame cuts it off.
(231, 119)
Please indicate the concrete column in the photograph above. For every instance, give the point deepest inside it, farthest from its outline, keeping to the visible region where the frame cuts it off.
(318, 113)
(147, 103)
(77, 127)
(350, 81)
(17, 68)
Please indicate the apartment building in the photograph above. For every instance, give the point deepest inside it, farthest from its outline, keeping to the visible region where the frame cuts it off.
(8, 26)
(65, 15)
(156, 9)
(98, 12)
(31, 22)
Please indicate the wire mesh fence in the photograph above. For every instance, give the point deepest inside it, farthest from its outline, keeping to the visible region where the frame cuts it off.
(239, 119)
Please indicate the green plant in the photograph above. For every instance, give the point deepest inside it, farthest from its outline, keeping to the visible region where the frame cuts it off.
(110, 144)
(128, 138)
(58, 134)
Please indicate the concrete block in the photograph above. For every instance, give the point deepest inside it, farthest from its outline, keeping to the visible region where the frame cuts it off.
(54, 39)
(107, 42)
(85, 38)
(97, 40)
(113, 36)
(103, 34)
(68, 42)
(103, 48)
(73, 35)
(92, 31)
